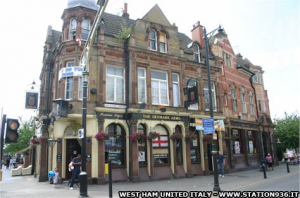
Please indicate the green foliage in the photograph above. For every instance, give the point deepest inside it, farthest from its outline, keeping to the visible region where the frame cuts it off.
(287, 130)
(124, 33)
(26, 131)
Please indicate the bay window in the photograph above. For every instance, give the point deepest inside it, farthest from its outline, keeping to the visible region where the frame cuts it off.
(72, 29)
(69, 84)
(85, 29)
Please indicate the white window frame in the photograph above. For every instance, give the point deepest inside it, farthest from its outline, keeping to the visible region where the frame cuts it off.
(213, 91)
(145, 84)
(72, 32)
(89, 27)
(196, 105)
(255, 78)
(234, 100)
(115, 87)
(197, 54)
(178, 84)
(159, 82)
(153, 39)
(243, 101)
(163, 43)
(69, 64)
(251, 103)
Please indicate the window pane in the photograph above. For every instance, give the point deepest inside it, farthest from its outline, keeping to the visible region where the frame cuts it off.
(155, 92)
(153, 45)
(141, 72)
(110, 88)
(152, 34)
(176, 94)
(162, 37)
(84, 34)
(159, 75)
(175, 77)
(119, 71)
(164, 92)
(70, 64)
(163, 47)
(111, 70)
(73, 24)
(141, 90)
(69, 88)
(86, 24)
(120, 90)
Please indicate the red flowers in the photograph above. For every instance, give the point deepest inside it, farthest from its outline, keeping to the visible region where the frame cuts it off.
(190, 136)
(153, 135)
(102, 136)
(176, 136)
(140, 137)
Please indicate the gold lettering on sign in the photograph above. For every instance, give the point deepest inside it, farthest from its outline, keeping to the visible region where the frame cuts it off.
(146, 116)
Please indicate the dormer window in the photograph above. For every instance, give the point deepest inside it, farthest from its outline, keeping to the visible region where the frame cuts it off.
(85, 29)
(72, 30)
(196, 53)
(163, 42)
(153, 40)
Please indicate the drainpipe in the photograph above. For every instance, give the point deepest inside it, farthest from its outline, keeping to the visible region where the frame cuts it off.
(127, 82)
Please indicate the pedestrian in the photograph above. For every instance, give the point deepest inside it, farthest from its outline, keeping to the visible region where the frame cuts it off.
(55, 178)
(270, 161)
(7, 163)
(10, 163)
(76, 171)
(221, 163)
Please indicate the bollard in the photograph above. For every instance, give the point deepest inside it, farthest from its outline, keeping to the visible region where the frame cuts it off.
(110, 179)
(264, 170)
(287, 166)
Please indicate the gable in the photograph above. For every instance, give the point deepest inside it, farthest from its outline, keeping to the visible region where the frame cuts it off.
(155, 15)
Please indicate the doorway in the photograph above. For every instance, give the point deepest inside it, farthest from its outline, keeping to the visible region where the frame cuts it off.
(73, 148)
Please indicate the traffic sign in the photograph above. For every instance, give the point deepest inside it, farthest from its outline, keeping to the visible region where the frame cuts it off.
(208, 125)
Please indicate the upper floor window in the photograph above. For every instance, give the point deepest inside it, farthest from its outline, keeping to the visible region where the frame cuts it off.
(255, 78)
(234, 100)
(142, 91)
(196, 50)
(159, 88)
(69, 83)
(192, 83)
(72, 29)
(206, 96)
(153, 40)
(251, 103)
(115, 89)
(227, 59)
(176, 88)
(85, 29)
(80, 88)
(243, 101)
(162, 42)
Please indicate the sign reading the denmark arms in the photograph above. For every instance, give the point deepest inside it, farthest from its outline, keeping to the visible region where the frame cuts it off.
(31, 100)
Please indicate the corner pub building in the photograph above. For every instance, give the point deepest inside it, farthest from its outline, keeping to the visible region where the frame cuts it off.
(135, 85)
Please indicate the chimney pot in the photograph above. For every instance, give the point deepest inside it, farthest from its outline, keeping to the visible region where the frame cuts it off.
(194, 26)
(125, 8)
(198, 22)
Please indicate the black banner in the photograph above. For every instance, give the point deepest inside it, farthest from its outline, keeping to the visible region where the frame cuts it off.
(31, 100)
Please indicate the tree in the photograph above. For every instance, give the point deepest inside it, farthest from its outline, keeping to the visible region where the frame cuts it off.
(26, 131)
(287, 130)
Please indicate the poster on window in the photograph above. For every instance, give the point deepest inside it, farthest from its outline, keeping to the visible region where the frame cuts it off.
(237, 147)
(195, 143)
(250, 146)
(142, 156)
(161, 141)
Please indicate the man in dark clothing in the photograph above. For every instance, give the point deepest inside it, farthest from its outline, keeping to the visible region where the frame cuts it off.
(221, 163)
(76, 171)
(7, 163)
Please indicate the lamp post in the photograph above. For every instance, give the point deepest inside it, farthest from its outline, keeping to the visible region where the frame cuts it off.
(214, 148)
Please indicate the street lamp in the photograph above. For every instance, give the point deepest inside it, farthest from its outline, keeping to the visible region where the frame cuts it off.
(214, 149)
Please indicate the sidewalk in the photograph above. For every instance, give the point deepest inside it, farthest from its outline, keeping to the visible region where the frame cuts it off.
(27, 186)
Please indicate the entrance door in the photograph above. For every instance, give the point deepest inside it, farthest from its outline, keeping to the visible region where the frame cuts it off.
(209, 155)
(73, 148)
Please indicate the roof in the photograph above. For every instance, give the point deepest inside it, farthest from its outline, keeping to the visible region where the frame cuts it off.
(91, 4)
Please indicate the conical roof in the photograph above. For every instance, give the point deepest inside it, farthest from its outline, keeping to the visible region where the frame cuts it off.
(91, 4)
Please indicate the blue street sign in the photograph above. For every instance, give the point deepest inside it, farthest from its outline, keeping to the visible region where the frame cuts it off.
(208, 125)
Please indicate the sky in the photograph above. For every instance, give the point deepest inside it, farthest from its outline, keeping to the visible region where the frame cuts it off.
(264, 31)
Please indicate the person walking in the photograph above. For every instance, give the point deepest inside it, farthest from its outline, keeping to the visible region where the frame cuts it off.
(55, 178)
(76, 171)
(7, 163)
(221, 163)
(270, 161)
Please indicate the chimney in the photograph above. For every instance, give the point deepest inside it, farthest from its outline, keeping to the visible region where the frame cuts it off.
(197, 33)
(125, 11)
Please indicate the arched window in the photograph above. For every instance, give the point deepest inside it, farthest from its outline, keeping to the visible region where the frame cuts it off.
(163, 42)
(72, 29)
(142, 147)
(243, 101)
(178, 145)
(115, 145)
(153, 40)
(161, 149)
(233, 100)
(85, 29)
(196, 50)
(69, 85)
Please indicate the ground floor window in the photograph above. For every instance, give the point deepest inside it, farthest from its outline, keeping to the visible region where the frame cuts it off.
(161, 148)
(178, 145)
(237, 141)
(142, 146)
(195, 149)
(251, 142)
(115, 145)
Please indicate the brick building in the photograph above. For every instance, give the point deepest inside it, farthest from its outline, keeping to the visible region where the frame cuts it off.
(135, 85)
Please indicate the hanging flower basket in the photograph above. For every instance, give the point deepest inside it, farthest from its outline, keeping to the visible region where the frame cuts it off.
(176, 136)
(34, 141)
(208, 137)
(153, 135)
(140, 137)
(102, 136)
(190, 136)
